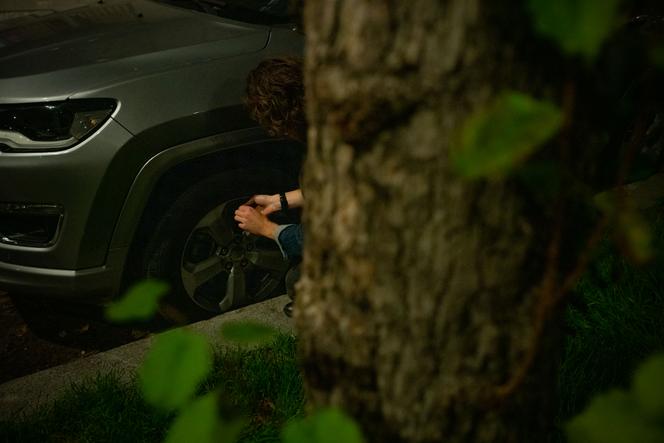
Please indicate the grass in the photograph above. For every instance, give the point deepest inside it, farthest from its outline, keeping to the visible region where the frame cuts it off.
(615, 327)
(100, 409)
(264, 384)
(614, 322)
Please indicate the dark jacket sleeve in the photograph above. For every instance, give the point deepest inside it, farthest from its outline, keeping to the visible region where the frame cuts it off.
(290, 239)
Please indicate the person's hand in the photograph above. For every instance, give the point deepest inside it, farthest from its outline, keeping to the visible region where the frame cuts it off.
(267, 204)
(252, 220)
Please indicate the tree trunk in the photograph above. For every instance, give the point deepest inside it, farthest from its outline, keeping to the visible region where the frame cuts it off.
(420, 289)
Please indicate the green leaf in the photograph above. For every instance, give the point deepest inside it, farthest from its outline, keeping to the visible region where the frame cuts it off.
(612, 418)
(579, 27)
(248, 333)
(606, 202)
(495, 139)
(174, 368)
(197, 422)
(326, 426)
(230, 431)
(631, 230)
(635, 235)
(648, 387)
(139, 303)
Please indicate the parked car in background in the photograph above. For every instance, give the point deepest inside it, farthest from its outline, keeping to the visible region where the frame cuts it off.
(125, 148)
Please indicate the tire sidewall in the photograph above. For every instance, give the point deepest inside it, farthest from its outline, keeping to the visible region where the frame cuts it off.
(162, 257)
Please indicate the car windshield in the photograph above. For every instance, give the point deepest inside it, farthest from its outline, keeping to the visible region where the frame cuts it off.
(264, 12)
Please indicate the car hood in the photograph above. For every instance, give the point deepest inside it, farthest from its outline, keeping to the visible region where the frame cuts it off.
(59, 54)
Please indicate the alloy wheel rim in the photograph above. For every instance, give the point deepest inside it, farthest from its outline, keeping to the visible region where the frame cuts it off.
(223, 267)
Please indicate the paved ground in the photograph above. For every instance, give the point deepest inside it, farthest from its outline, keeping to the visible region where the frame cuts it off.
(57, 334)
(17, 8)
(24, 394)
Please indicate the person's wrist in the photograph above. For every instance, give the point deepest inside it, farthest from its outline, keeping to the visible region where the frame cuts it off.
(283, 201)
(269, 230)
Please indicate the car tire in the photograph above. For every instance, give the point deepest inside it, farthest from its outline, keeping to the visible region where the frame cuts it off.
(210, 264)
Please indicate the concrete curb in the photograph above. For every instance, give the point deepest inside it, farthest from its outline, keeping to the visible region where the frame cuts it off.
(23, 395)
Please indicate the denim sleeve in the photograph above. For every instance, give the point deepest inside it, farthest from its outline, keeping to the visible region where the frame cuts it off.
(290, 239)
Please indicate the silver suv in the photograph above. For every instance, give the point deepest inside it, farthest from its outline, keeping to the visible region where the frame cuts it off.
(125, 148)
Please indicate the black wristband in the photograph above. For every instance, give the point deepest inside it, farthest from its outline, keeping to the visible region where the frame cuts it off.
(283, 201)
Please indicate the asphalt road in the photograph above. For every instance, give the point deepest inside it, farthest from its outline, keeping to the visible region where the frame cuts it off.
(50, 334)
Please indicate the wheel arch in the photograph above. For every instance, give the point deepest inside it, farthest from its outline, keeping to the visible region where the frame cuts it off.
(170, 173)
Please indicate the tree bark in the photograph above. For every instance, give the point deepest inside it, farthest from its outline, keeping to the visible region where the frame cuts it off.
(419, 289)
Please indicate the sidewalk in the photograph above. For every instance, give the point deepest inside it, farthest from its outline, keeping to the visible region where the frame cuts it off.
(18, 8)
(25, 394)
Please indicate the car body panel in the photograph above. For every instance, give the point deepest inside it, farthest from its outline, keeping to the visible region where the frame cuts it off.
(176, 101)
(160, 163)
(128, 160)
(91, 285)
(191, 90)
(82, 49)
(69, 178)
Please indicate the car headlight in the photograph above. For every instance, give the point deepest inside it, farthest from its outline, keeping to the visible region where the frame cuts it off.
(51, 125)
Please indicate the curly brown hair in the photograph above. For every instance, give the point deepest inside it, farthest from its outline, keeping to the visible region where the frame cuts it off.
(275, 96)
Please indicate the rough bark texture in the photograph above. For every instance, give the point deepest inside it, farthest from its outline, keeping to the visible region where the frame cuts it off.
(419, 288)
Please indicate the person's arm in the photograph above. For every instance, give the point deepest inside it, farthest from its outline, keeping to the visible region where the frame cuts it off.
(251, 220)
(295, 198)
(272, 203)
(290, 239)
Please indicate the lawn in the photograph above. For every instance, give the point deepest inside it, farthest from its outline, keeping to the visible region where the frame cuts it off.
(264, 384)
(615, 320)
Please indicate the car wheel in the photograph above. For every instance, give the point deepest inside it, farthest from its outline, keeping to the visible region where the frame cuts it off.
(211, 264)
